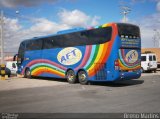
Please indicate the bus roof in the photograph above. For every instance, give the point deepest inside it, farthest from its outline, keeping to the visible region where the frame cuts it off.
(72, 31)
(59, 33)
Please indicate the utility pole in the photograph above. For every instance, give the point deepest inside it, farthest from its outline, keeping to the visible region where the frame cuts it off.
(156, 38)
(125, 10)
(3, 72)
(1, 38)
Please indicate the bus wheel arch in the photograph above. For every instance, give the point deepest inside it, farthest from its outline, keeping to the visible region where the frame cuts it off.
(27, 73)
(71, 76)
(82, 76)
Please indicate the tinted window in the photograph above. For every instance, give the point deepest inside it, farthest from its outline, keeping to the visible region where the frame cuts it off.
(154, 58)
(21, 53)
(21, 50)
(150, 58)
(128, 30)
(143, 58)
(34, 44)
(87, 37)
(13, 65)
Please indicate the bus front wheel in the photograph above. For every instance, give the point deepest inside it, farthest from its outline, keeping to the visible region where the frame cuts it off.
(82, 77)
(28, 74)
(71, 77)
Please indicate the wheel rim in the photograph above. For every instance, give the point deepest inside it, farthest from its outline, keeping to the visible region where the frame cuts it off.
(70, 75)
(82, 76)
(28, 73)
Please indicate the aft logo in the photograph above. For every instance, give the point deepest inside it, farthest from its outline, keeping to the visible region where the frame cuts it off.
(69, 56)
(132, 56)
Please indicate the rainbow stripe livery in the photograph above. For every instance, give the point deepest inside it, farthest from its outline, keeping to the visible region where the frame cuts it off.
(105, 53)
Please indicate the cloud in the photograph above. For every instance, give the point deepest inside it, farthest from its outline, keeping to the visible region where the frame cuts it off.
(15, 32)
(147, 25)
(94, 21)
(44, 26)
(12, 24)
(11, 35)
(158, 6)
(77, 18)
(25, 3)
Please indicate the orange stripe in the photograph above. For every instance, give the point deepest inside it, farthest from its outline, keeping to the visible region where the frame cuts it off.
(56, 73)
(40, 71)
(93, 71)
(108, 50)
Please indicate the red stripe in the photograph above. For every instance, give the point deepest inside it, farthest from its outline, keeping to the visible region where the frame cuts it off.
(109, 49)
(123, 56)
(86, 57)
(43, 61)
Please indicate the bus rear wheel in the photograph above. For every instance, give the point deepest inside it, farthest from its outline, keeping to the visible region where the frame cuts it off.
(28, 74)
(82, 77)
(71, 77)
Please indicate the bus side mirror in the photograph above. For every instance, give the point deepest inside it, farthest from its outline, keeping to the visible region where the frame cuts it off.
(15, 57)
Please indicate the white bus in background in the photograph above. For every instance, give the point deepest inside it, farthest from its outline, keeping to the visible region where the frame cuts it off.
(148, 62)
(12, 66)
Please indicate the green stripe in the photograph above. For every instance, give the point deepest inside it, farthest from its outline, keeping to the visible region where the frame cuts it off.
(129, 66)
(94, 57)
(121, 60)
(46, 67)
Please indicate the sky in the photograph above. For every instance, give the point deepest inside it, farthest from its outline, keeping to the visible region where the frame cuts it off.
(24, 19)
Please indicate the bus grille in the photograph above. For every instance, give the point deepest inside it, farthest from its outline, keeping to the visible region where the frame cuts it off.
(101, 71)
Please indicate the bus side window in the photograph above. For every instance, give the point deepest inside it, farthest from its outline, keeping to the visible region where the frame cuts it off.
(48, 43)
(34, 44)
(84, 33)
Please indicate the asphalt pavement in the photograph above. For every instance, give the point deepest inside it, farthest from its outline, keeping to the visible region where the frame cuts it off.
(57, 96)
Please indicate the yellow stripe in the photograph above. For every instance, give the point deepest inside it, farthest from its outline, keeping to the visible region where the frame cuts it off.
(45, 69)
(60, 73)
(105, 25)
(37, 69)
(98, 56)
(127, 68)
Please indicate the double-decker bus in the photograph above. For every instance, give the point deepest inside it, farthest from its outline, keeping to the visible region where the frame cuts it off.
(108, 52)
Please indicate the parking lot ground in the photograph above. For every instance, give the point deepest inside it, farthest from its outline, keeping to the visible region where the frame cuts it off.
(57, 96)
(20, 83)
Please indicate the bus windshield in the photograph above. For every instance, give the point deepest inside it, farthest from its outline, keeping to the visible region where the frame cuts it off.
(130, 35)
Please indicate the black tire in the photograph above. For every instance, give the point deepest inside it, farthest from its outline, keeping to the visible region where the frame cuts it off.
(9, 75)
(155, 71)
(71, 77)
(8, 72)
(82, 77)
(28, 74)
